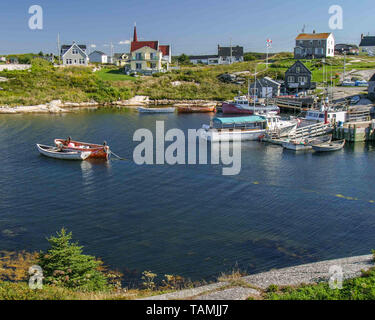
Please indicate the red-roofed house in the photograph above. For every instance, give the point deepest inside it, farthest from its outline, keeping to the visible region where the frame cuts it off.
(148, 57)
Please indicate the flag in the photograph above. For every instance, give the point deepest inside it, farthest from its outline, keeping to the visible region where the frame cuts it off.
(269, 43)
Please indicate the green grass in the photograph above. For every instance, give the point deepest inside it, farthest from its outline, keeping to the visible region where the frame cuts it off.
(44, 83)
(113, 75)
(359, 288)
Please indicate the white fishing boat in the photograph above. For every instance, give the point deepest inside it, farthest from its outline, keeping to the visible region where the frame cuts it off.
(249, 128)
(58, 153)
(156, 110)
(329, 146)
(306, 143)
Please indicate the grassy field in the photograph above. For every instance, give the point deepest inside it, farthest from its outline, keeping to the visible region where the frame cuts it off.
(113, 75)
(44, 83)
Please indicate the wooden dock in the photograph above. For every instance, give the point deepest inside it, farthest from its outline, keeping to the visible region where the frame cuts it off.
(355, 131)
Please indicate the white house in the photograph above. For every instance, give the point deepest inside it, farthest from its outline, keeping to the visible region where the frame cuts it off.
(314, 46)
(74, 55)
(99, 57)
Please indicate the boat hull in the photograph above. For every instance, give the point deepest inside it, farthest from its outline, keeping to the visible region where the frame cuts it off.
(97, 151)
(195, 109)
(156, 110)
(53, 153)
(226, 135)
(329, 147)
(231, 108)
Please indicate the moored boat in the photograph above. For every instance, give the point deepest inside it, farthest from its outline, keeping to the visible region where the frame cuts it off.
(156, 110)
(97, 151)
(186, 108)
(305, 143)
(235, 129)
(329, 146)
(58, 153)
(242, 105)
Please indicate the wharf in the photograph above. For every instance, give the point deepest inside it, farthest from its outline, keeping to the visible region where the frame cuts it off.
(355, 131)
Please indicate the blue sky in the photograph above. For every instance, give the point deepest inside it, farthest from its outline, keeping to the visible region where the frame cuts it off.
(190, 26)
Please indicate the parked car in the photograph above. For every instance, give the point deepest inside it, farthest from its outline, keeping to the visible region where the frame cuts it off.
(347, 83)
(355, 100)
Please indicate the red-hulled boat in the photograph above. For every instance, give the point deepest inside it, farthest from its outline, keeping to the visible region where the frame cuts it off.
(97, 151)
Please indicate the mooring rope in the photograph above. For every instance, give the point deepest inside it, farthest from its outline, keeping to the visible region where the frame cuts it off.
(118, 157)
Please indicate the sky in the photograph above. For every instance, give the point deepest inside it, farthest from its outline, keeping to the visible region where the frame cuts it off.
(189, 26)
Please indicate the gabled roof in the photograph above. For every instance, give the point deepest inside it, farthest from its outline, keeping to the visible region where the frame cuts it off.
(67, 46)
(99, 52)
(313, 36)
(226, 51)
(80, 47)
(165, 50)
(367, 41)
(135, 45)
(301, 64)
(207, 56)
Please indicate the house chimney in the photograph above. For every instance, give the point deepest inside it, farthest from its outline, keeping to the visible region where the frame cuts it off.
(135, 38)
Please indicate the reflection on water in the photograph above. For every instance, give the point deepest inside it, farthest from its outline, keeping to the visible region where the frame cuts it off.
(282, 209)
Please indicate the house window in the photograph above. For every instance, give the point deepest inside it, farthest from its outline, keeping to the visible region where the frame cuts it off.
(298, 69)
(138, 56)
(151, 56)
(75, 51)
(138, 65)
(290, 79)
(153, 65)
(81, 61)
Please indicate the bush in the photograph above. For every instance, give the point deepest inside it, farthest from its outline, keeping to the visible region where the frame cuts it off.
(64, 265)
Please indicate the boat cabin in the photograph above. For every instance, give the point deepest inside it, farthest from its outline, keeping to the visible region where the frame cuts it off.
(250, 122)
(332, 116)
(241, 100)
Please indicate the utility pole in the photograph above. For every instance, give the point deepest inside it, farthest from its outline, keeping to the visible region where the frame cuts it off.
(58, 47)
(231, 52)
(344, 67)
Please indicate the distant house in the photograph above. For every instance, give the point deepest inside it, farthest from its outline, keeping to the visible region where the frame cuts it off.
(298, 78)
(74, 55)
(229, 55)
(265, 88)
(121, 59)
(371, 87)
(204, 59)
(98, 57)
(3, 59)
(367, 45)
(13, 60)
(48, 57)
(225, 55)
(148, 57)
(349, 49)
(314, 46)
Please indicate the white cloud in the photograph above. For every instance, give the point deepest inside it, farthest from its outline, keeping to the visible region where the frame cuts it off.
(93, 45)
(124, 42)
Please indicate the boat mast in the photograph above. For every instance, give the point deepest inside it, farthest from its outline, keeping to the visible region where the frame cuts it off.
(255, 86)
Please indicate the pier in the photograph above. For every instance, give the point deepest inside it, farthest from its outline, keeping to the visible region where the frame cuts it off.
(355, 131)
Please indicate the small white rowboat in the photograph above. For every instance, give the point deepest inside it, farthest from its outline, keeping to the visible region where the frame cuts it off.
(329, 146)
(54, 152)
(156, 110)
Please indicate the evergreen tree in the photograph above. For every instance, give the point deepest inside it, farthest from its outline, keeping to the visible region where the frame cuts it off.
(65, 265)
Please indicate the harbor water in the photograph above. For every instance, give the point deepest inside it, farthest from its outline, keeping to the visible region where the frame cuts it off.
(283, 208)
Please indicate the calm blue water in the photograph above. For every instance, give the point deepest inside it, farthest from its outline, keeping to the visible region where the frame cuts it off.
(282, 209)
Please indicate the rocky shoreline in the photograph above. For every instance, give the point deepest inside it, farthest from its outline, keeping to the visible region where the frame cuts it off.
(253, 285)
(57, 106)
